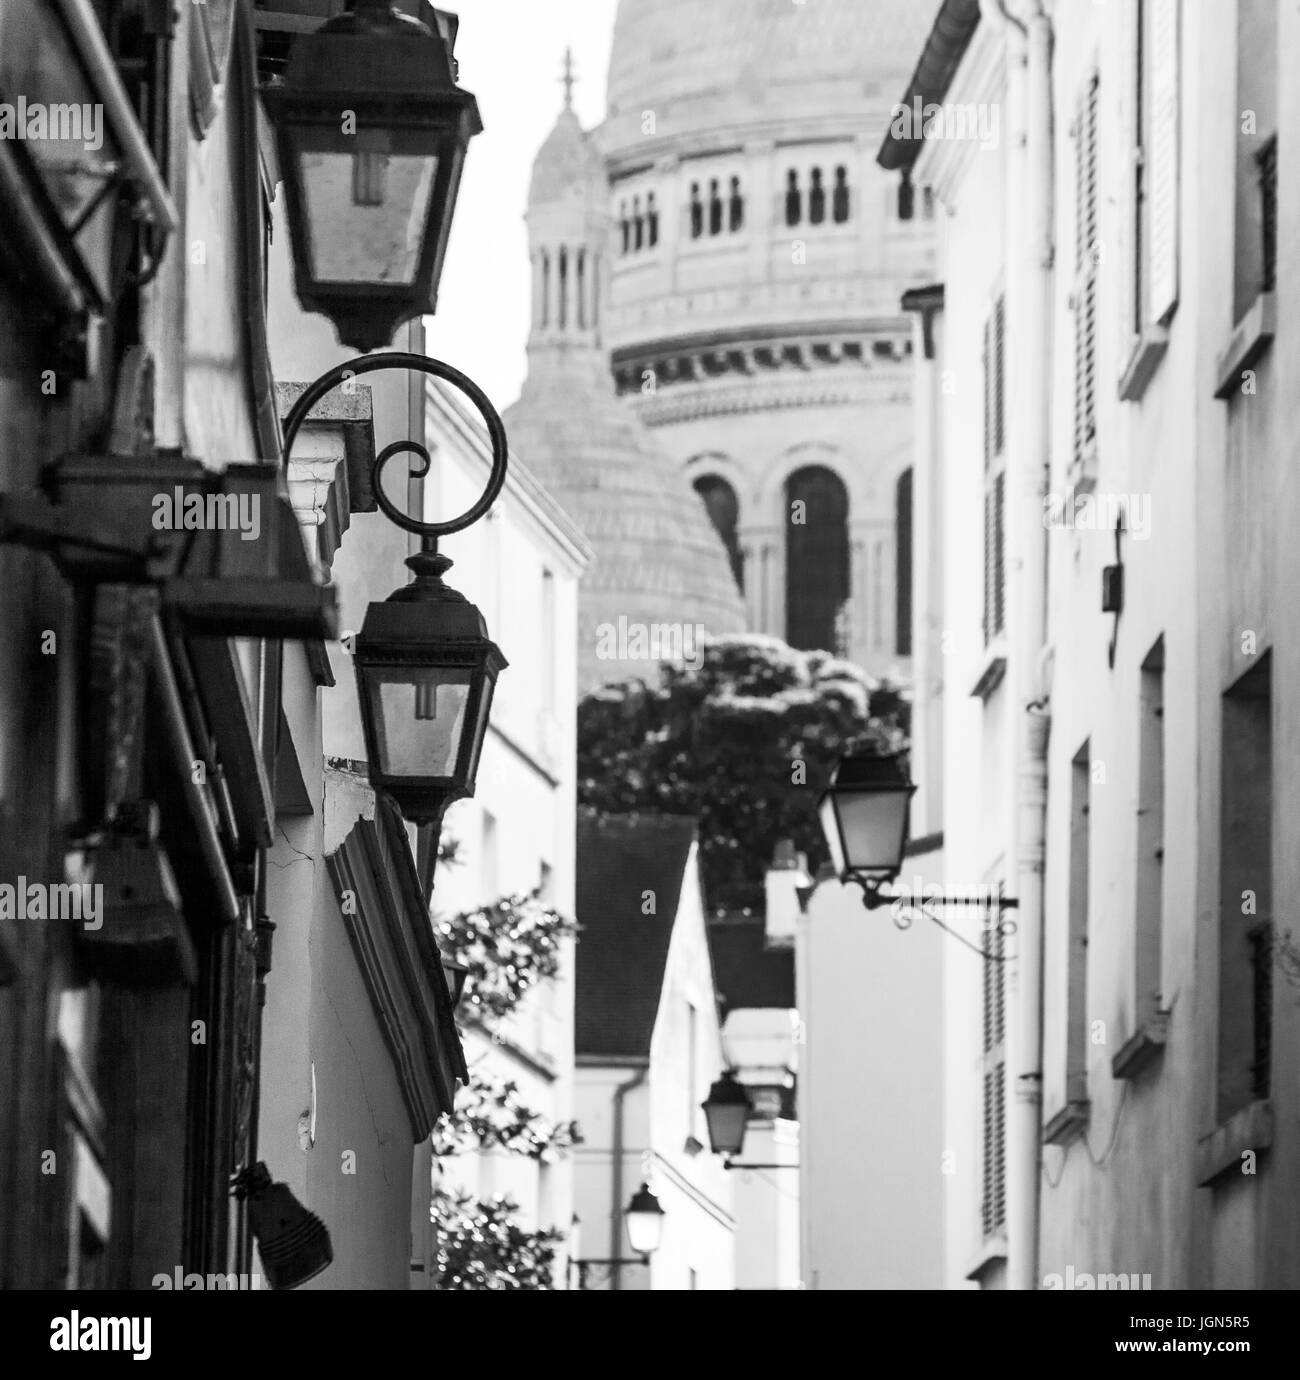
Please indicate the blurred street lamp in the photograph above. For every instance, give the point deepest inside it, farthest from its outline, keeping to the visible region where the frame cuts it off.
(371, 134)
(645, 1221)
(725, 1113)
(864, 817)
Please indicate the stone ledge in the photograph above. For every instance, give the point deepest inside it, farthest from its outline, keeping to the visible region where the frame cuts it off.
(1221, 1151)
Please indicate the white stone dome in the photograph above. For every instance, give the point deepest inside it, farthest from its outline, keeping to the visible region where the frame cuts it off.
(690, 61)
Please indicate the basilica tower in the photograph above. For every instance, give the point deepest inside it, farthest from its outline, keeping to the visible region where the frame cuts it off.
(658, 563)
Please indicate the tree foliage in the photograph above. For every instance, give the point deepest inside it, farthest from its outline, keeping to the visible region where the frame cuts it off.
(482, 1246)
(746, 742)
(490, 1115)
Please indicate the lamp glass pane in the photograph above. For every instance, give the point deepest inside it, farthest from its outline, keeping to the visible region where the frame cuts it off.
(726, 1123)
(831, 829)
(644, 1230)
(366, 209)
(874, 829)
(419, 717)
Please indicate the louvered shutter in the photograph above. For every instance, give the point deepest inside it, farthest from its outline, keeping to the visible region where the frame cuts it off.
(999, 552)
(994, 1198)
(999, 375)
(1161, 141)
(1128, 262)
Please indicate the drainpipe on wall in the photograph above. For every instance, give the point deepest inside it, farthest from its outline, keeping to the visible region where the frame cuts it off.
(1030, 257)
(616, 1177)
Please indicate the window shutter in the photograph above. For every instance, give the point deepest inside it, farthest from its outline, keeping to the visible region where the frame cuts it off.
(994, 1204)
(1085, 371)
(987, 359)
(999, 552)
(1128, 262)
(999, 375)
(1161, 140)
(1085, 181)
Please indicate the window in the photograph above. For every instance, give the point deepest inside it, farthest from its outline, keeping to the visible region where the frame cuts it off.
(1076, 958)
(549, 639)
(697, 212)
(903, 564)
(625, 226)
(692, 1059)
(563, 295)
(715, 208)
(1246, 899)
(1149, 903)
(735, 207)
(1148, 263)
(840, 196)
(580, 272)
(724, 513)
(1255, 202)
(995, 472)
(638, 224)
(546, 288)
(993, 1197)
(1086, 255)
(793, 199)
(906, 196)
(489, 859)
(651, 220)
(816, 557)
(816, 199)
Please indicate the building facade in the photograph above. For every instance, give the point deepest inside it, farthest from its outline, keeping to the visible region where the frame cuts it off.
(1117, 731)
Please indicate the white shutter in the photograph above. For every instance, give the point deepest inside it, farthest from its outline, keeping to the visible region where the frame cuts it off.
(1162, 161)
(1128, 259)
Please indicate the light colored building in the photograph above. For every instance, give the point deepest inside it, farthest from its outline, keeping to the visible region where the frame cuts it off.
(753, 319)
(1129, 767)
(521, 566)
(648, 1045)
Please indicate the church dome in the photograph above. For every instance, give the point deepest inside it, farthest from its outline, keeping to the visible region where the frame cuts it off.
(688, 62)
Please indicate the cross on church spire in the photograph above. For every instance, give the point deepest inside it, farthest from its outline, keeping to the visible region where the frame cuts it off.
(567, 78)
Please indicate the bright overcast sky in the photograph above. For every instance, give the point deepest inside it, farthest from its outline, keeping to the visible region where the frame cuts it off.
(511, 56)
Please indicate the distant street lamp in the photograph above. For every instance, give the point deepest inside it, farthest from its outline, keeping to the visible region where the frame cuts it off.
(645, 1226)
(371, 133)
(645, 1221)
(725, 1114)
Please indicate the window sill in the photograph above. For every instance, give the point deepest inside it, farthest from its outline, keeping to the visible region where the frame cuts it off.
(1221, 1151)
(1143, 1048)
(992, 1254)
(1147, 352)
(992, 668)
(1067, 1124)
(1250, 338)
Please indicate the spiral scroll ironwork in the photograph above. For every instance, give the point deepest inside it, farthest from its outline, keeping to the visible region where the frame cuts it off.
(399, 359)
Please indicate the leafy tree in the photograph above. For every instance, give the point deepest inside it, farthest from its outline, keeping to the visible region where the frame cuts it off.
(482, 1246)
(746, 743)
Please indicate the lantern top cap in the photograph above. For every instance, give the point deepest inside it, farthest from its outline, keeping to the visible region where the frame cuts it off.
(873, 771)
(728, 1090)
(644, 1201)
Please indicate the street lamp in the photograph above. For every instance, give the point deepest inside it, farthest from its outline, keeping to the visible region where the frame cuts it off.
(425, 666)
(645, 1221)
(645, 1227)
(371, 134)
(864, 817)
(725, 1114)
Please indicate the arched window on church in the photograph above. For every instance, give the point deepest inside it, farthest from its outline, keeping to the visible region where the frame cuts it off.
(546, 288)
(697, 212)
(638, 224)
(816, 199)
(840, 196)
(903, 564)
(735, 206)
(793, 200)
(580, 287)
(651, 220)
(816, 559)
(715, 207)
(562, 295)
(624, 225)
(724, 513)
